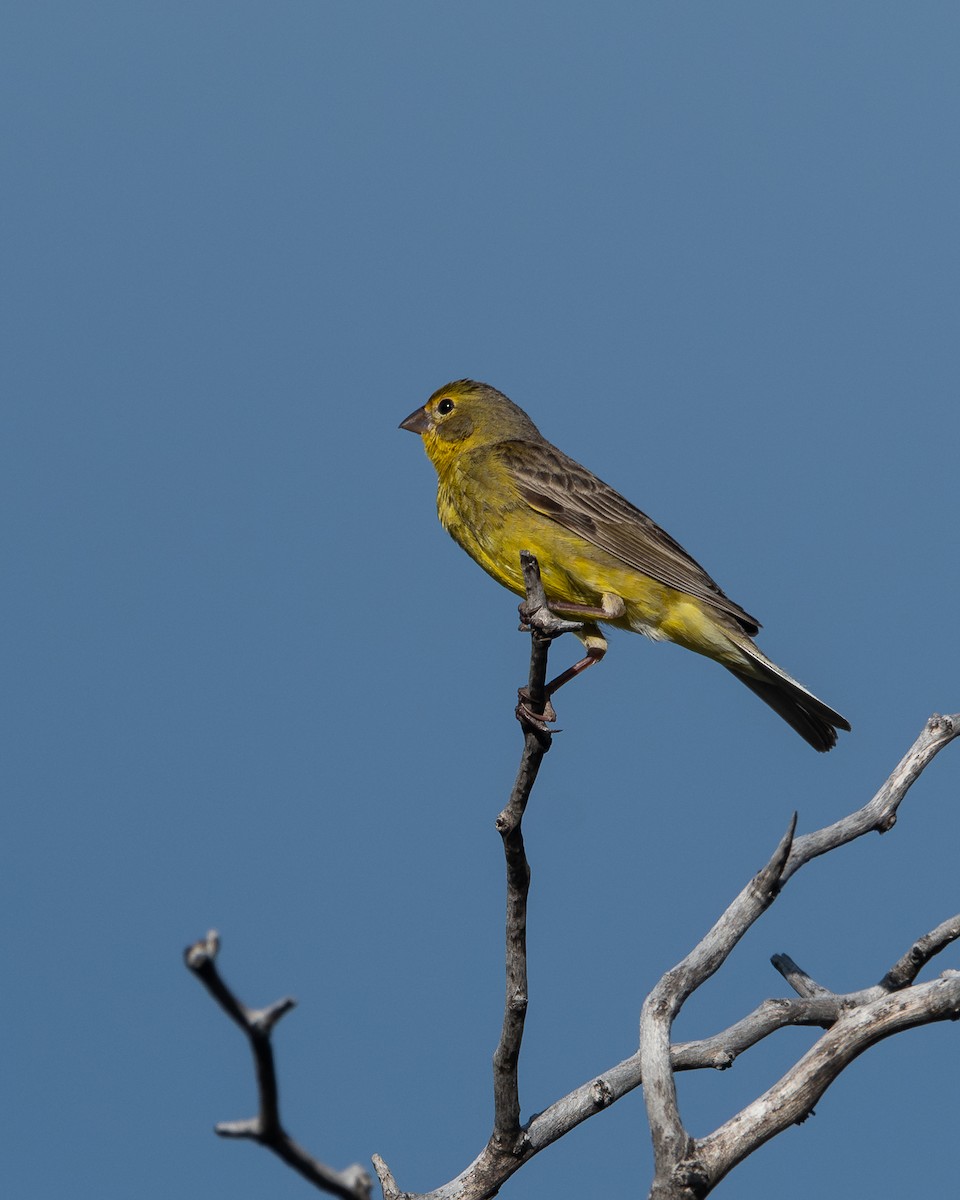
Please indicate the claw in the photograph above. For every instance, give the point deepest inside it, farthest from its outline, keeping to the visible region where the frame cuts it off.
(538, 721)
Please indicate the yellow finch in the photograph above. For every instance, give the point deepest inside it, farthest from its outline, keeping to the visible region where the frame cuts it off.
(503, 488)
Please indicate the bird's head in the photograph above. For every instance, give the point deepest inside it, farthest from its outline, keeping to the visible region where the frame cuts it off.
(466, 415)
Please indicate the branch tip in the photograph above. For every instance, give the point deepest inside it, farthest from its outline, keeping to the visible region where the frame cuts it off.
(387, 1181)
(769, 879)
(535, 613)
(798, 979)
(264, 1019)
(250, 1128)
(202, 952)
(358, 1179)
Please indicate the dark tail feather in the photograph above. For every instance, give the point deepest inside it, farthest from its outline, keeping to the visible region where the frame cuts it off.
(816, 722)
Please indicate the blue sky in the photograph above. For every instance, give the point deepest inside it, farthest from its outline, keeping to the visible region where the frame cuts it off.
(250, 684)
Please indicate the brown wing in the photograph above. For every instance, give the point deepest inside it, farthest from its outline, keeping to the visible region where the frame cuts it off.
(557, 487)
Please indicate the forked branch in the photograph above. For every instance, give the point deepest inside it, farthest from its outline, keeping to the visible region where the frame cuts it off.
(354, 1183)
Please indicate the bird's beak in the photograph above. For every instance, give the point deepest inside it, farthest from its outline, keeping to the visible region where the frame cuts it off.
(417, 422)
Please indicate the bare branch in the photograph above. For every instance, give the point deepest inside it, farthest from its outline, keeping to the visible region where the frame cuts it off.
(354, 1183)
(535, 612)
(536, 742)
(722, 1049)
(905, 970)
(793, 1097)
(713, 1053)
(387, 1181)
(506, 1092)
(680, 1168)
(671, 1142)
(797, 978)
(880, 814)
(685, 1168)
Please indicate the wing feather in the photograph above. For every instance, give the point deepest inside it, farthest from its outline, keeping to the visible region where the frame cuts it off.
(559, 488)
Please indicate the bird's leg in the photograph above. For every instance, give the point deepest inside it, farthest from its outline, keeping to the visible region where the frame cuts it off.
(543, 616)
(611, 607)
(540, 616)
(593, 655)
(596, 647)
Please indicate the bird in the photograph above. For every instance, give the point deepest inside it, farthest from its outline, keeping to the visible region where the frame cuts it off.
(502, 488)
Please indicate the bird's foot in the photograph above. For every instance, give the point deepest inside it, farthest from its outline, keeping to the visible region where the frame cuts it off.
(539, 619)
(538, 721)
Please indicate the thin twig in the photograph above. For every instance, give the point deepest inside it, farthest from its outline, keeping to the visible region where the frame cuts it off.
(880, 814)
(905, 970)
(536, 742)
(797, 978)
(387, 1181)
(354, 1183)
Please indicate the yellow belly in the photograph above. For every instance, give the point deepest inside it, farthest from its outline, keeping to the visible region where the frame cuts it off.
(575, 571)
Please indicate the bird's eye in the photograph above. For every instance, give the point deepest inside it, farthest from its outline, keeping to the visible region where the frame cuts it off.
(445, 406)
